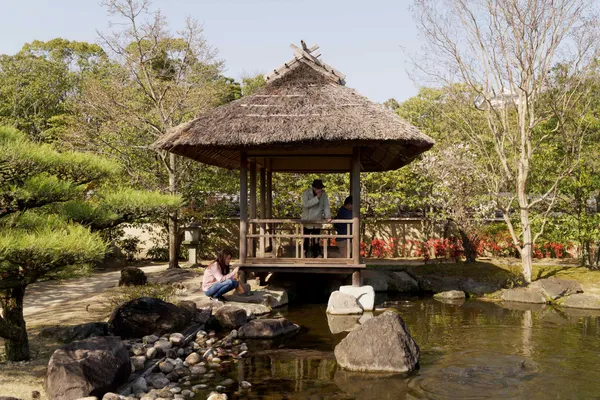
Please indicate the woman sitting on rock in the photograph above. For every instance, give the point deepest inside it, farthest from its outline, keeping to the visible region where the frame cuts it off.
(218, 280)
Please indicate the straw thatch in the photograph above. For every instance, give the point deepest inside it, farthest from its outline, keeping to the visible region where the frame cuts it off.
(304, 106)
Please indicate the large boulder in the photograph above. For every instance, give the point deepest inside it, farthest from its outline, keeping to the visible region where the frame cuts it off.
(390, 281)
(90, 367)
(554, 288)
(523, 295)
(132, 276)
(68, 334)
(231, 316)
(581, 300)
(147, 316)
(266, 328)
(365, 295)
(342, 303)
(381, 344)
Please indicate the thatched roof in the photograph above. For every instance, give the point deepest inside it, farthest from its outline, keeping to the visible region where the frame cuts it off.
(305, 117)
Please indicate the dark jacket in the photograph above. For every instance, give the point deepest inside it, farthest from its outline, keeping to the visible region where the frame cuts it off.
(341, 229)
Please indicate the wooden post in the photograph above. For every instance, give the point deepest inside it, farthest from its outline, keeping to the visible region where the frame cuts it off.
(270, 208)
(253, 205)
(356, 214)
(243, 207)
(263, 209)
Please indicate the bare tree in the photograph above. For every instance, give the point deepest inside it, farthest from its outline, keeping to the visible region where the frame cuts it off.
(154, 81)
(505, 52)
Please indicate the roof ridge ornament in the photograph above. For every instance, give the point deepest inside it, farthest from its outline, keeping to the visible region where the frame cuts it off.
(309, 56)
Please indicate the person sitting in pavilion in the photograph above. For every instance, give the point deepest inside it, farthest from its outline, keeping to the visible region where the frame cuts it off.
(345, 212)
(218, 280)
(315, 206)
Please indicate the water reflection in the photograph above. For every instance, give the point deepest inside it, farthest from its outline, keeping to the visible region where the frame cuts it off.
(477, 350)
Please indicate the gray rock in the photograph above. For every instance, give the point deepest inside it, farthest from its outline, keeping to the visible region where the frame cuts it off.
(92, 366)
(68, 334)
(450, 295)
(157, 380)
(139, 386)
(554, 288)
(227, 382)
(342, 304)
(267, 328)
(523, 295)
(231, 316)
(132, 276)
(175, 390)
(176, 339)
(138, 349)
(201, 386)
(382, 344)
(187, 393)
(193, 359)
(138, 362)
(581, 300)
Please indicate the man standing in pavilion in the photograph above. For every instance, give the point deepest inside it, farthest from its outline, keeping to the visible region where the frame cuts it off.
(315, 206)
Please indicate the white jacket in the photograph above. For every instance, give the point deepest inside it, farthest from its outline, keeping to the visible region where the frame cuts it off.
(315, 208)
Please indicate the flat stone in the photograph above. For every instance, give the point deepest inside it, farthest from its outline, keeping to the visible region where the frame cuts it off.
(554, 288)
(231, 316)
(581, 300)
(365, 295)
(163, 345)
(198, 370)
(523, 295)
(342, 303)
(450, 295)
(270, 297)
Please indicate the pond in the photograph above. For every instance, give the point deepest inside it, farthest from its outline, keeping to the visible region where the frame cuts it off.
(475, 350)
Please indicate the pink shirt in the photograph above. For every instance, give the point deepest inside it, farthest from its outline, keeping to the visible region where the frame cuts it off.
(212, 275)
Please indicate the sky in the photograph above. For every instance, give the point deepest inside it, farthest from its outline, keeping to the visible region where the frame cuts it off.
(368, 40)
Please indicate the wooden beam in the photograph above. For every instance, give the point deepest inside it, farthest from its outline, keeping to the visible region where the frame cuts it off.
(243, 207)
(252, 204)
(263, 209)
(356, 205)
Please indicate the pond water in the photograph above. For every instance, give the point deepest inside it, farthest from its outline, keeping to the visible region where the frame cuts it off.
(475, 350)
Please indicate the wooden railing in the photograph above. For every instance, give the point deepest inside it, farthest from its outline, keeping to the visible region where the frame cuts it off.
(269, 230)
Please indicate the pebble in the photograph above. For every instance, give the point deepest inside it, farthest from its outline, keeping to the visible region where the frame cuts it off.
(151, 353)
(187, 393)
(138, 349)
(198, 370)
(202, 386)
(195, 346)
(150, 339)
(217, 396)
(179, 396)
(176, 390)
(221, 388)
(163, 345)
(166, 367)
(138, 362)
(193, 359)
(180, 353)
(216, 360)
(243, 353)
(208, 354)
(245, 385)
(227, 382)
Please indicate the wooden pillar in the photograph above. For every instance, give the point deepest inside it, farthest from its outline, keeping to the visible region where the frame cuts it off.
(252, 206)
(263, 208)
(270, 207)
(356, 214)
(243, 207)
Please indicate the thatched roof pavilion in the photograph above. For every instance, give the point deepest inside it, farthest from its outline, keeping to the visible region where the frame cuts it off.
(303, 120)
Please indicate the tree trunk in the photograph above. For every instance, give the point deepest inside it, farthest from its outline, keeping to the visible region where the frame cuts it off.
(173, 228)
(470, 251)
(12, 326)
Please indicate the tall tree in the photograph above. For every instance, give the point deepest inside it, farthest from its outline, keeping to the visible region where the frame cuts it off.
(154, 81)
(504, 51)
